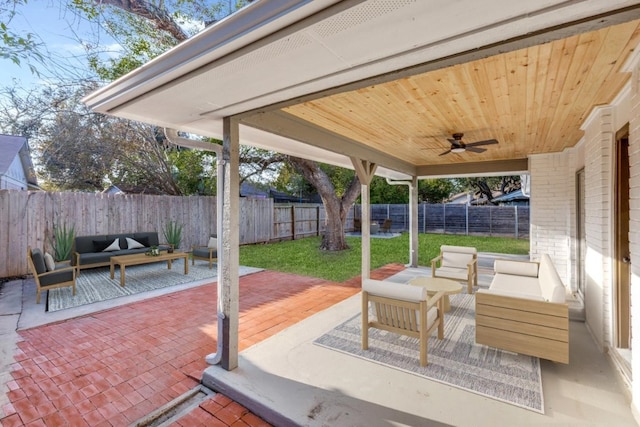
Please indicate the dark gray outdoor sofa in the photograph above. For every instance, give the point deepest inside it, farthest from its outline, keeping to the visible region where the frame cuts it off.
(91, 251)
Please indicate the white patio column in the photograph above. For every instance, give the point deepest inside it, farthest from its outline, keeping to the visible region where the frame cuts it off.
(365, 171)
(228, 287)
(413, 223)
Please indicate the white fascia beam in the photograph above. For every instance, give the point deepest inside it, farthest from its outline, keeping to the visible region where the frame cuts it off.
(292, 127)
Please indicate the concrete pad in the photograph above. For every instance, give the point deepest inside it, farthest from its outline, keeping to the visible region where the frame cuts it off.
(288, 380)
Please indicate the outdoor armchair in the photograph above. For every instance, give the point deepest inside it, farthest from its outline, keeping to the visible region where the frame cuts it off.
(457, 263)
(55, 276)
(207, 252)
(401, 309)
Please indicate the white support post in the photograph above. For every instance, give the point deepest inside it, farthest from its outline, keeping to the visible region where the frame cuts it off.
(230, 247)
(413, 223)
(365, 170)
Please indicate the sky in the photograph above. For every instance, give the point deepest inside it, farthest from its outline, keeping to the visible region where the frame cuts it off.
(56, 28)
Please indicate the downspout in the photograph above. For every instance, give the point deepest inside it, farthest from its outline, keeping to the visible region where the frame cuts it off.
(174, 138)
(391, 182)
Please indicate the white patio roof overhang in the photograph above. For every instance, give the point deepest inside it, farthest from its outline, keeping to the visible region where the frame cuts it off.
(379, 86)
(390, 81)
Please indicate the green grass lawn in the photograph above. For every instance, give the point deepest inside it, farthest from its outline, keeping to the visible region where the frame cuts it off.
(304, 256)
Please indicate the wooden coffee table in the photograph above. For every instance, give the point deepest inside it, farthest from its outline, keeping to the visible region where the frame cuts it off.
(434, 285)
(137, 259)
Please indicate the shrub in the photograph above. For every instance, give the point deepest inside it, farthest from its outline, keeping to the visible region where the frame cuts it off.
(62, 242)
(173, 233)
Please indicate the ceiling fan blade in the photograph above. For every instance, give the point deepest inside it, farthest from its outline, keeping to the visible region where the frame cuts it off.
(475, 150)
(446, 152)
(487, 142)
(454, 141)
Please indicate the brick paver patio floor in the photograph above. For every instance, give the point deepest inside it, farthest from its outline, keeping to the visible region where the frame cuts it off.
(113, 367)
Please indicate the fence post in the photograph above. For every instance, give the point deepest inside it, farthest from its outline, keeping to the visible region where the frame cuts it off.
(317, 220)
(466, 218)
(444, 218)
(515, 207)
(490, 220)
(293, 222)
(424, 217)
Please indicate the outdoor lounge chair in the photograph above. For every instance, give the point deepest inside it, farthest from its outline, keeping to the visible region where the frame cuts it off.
(206, 253)
(386, 226)
(401, 309)
(55, 276)
(457, 263)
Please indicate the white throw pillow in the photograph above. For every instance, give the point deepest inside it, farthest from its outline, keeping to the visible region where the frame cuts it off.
(115, 246)
(213, 243)
(48, 262)
(134, 244)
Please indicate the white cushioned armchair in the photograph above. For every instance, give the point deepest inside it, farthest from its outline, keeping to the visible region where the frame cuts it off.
(457, 263)
(401, 309)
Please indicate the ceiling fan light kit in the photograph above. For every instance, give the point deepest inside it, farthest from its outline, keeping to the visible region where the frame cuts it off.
(458, 150)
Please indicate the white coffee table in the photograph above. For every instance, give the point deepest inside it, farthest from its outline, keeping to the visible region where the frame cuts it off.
(434, 285)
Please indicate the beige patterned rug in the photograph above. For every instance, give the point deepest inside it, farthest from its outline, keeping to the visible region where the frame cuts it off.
(95, 285)
(456, 360)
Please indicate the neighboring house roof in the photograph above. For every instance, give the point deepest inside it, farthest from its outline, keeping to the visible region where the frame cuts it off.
(112, 189)
(459, 199)
(248, 190)
(512, 197)
(12, 146)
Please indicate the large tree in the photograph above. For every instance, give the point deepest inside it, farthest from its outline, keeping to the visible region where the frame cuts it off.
(77, 149)
(490, 187)
(14, 46)
(336, 205)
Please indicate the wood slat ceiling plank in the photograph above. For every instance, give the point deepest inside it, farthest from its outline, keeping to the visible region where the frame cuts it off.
(572, 100)
(532, 101)
(561, 57)
(613, 53)
(539, 57)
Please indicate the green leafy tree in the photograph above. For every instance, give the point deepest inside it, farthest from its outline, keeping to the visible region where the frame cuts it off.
(381, 192)
(435, 190)
(16, 47)
(490, 187)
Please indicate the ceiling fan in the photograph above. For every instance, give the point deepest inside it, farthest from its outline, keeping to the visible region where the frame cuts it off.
(457, 146)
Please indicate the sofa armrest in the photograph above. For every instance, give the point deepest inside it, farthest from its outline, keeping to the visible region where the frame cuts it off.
(434, 265)
(521, 325)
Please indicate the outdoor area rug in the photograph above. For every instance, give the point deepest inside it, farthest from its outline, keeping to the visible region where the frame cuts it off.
(456, 360)
(94, 284)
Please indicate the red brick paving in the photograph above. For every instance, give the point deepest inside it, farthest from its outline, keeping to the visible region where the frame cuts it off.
(113, 367)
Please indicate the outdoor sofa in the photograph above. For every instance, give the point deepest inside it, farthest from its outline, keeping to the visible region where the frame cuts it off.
(96, 251)
(524, 310)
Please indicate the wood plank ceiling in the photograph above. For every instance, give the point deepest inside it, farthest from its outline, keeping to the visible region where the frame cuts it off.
(532, 100)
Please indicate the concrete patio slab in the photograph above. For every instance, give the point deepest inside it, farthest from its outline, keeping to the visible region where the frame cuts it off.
(288, 380)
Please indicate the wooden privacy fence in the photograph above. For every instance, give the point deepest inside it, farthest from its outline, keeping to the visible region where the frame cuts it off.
(28, 219)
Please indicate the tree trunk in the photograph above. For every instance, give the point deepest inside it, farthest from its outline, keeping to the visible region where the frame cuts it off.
(335, 207)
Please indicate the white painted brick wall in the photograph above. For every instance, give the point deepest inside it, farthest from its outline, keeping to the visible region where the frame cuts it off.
(599, 139)
(552, 182)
